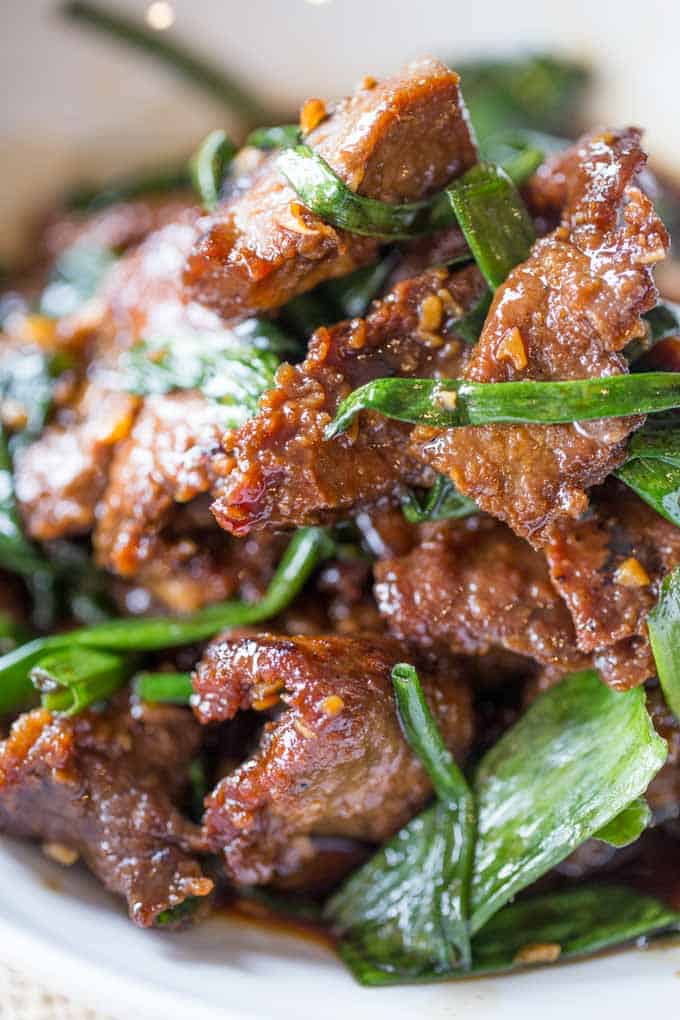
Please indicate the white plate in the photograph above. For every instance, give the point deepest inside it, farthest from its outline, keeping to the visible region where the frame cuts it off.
(79, 105)
(59, 925)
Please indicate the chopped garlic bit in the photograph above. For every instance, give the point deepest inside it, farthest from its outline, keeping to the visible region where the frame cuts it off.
(64, 855)
(332, 705)
(538, 952)
(311, 115)
(511, 348)
(631, 574)
(448, 399)
(431, 314)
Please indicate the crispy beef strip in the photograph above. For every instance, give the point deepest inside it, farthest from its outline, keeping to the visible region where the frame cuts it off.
(472, 586)
(332, 761)
(134, 471)
(61, 477)
(101, 785)
(566, 313)
(608, 566)
(397, 141)
(281, 471)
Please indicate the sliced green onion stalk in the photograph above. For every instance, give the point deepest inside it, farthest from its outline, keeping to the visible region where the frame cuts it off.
(305, 551)
(522, 164)
(493, 219)
(627, 826)
(281, 136)
(663, 624)
(653, 466)
(76, 276)
(306, 312)
(17, 554)
(352, 294)
(443, 502)
(326, 195)
(572, 767)
(90, 198)
(172, 54)
(538, 92)
(233, 367)
(173, 688)
(542, 929)
(209, 166)
(408, 908)
(179, 916)
(71, 679)
(470, 325)
(454, 403)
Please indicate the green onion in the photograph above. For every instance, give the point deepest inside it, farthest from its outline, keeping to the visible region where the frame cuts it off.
(571, 768)
(306, 312)
(538, 92)
(524, 162)
(233, 367)
(627, 826)
(171, 53)
(454, 403)
(305, 551)
(179, 916)
(17, 554)
(352, 294)
(663, 624)
(470, 325)
(75, 277)
(322, 191)
(209, 166)
(493, 219)
(72, 679)
(443, 503)
(575, 922)
(281, 136)
(91, 198)
(653, 466)
(424, 737)
(174, 688)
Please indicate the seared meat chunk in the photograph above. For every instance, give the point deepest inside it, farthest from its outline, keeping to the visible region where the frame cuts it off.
(100, 785)
(398, 141)
(282, 471)
(165, 461)
(333, 762)
(566, 313)
(119, 226)
(62, 476)
(59, 478)
(608, 566)
(472, 586)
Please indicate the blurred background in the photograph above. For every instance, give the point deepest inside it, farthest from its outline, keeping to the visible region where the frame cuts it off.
(80, 105)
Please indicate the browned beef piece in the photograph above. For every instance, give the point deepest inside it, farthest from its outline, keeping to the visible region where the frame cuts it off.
(118, 226)
(59, 477)
(332, 762)
(566, 313)
(164, 461)
(472, 586)
(397, 141)
(282, 471)
(101, 785)
(608, 566)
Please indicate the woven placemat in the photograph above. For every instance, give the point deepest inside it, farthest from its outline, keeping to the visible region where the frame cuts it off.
(22, 998)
